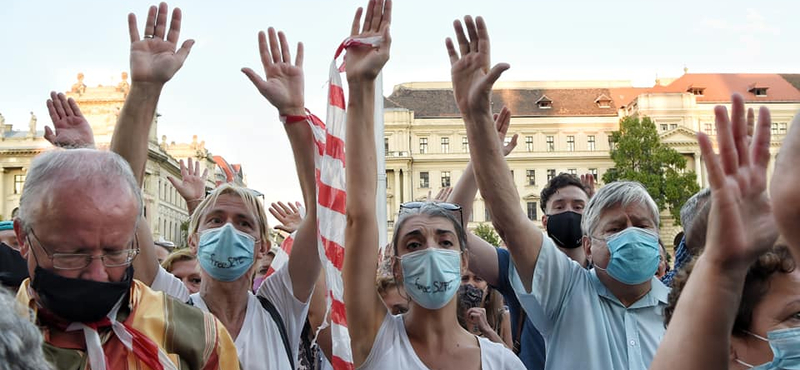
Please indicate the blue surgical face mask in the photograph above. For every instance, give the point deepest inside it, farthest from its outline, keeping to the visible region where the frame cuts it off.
(225, 253)
(634, 256)
(785, 344)
(432, 276)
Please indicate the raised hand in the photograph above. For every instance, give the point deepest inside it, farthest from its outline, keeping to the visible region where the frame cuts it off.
(588, 184)
(444, 193)
(364, 62)
(192, 185)
(154, 58)
(284, 85)
(472, 78)
(72, 130)
(502, 122)
(289, 216)
(741, 224)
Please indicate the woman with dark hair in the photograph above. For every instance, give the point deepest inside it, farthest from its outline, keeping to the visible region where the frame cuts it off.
(429, 244)
(481, 310)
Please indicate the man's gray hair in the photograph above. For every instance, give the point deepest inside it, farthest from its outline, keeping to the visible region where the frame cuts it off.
(692, 207)
(21, 341)
(618, 193)
(84, 166)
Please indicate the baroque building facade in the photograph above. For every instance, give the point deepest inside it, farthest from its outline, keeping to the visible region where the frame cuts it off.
(164, 208)
(563, 126)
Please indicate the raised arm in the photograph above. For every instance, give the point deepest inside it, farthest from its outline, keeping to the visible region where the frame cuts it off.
(482, 255)
(154, 61)
(472, 87)
(740, 228)
(192, 185)
(365, 311)
(784, 188)
(289, 216)
(283, 88)
(72, 130)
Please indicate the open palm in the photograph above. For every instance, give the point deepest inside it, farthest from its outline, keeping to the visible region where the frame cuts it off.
(472, 78)
(284, 85)
(364, 62)
(156, 58)
(741, 214)
(71, 128)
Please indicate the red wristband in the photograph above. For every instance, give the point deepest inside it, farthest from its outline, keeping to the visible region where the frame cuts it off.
(292, 119)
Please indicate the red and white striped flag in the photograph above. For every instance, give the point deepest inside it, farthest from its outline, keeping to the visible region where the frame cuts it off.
(281, 255)
(331, 200)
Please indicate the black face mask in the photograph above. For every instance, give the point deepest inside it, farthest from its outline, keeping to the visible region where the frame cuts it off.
(468, 297)
(79, 300)
(565, 229)
(13, 268)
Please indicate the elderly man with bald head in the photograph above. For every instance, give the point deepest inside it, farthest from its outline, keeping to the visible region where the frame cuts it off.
(76, 228)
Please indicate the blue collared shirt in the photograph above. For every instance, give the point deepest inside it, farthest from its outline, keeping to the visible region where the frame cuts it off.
(584, 325)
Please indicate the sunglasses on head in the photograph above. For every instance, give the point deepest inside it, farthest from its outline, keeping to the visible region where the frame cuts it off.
(447, 206)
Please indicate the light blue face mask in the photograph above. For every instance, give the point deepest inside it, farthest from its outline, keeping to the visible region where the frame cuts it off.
(634, 255)
(785, 344)
(225, 253)
(432, 276)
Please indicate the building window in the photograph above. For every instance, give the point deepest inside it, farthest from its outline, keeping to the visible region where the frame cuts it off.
(386, 145)
(611, 144)
(697, 91)
(512, 175)
(571, 143)
(551, 173)
(593, 171)
(551, 144)
(759, 91)
(532, 211)
(710, 129)
(663, 127)
(530, 175)
(423, 145)
(774, 128)
(591, 142)
(424, 180)
(445, 179)
(464, 144)
(486, 215)
(529, 143)
(19, 183)
(572, 171)
(782, 128)
(544, 102)
(445, 145)
(673, 126)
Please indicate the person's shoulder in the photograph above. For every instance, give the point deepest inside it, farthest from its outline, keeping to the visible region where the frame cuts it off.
(498, 356)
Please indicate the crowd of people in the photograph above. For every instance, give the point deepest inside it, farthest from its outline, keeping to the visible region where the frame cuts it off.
(592, 289)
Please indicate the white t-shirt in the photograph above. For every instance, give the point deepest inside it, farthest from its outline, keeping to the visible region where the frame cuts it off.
(259, 343)
(170, 285)
(392, 350)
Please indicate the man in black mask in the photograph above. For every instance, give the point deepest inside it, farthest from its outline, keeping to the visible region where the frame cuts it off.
(78, 215)
(563, 201)
(13, 268)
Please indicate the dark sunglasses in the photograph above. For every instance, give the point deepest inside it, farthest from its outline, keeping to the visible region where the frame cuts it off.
(453, 208)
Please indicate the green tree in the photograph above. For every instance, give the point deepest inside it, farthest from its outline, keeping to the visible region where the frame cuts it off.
(487, 233)
(638, 155)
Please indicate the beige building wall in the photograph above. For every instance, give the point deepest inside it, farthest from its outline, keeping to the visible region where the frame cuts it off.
(677, 115)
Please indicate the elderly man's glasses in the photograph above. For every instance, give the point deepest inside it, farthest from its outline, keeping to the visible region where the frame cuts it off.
(453, 208)
(77, 261)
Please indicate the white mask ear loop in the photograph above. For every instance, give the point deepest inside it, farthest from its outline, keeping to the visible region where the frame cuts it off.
(755, 336)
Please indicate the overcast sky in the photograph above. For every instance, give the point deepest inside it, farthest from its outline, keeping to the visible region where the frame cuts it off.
(44, 44)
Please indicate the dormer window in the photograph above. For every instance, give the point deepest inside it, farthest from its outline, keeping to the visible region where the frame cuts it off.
(758, 91)
(696, 91)
(544, 102)
(603, 101)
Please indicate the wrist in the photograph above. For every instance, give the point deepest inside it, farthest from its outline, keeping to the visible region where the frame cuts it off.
(360, 82)
(145, 89)
(292, 111)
